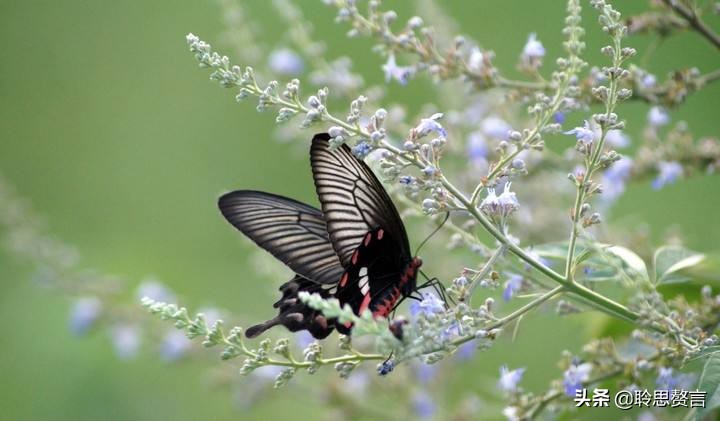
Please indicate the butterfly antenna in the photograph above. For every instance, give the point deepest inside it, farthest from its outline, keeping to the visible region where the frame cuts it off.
(447, 216)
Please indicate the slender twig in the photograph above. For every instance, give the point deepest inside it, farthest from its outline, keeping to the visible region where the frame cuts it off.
(694, 20)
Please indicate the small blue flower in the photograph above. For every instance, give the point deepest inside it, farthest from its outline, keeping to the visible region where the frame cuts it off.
(286, 62)
(665, 379)
(648, 81)
(126, 341)
(584, 134)
(533, 49)
(574, 377)
(617, 139)
(429, 125)
(658, 117)
(423, 405)
(156, 291)
(495, 127)
(512, 286)
(668, 173)
(466, 351)
(407, 180)
(426, 372)
(385, 367)
(559, 117)
(393, 71)
(361, 150)
(509, 379)
(429, 304)
(430, 170)
(174, 345)
(84, 314)
(508, 200)
(303, 339)
(477, 148)
(614, 178)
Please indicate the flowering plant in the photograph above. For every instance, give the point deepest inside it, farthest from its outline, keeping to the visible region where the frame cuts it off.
(489, 157)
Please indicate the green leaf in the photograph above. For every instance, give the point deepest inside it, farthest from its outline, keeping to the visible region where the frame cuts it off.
(672, 263)
(710, 383)
(632, 261)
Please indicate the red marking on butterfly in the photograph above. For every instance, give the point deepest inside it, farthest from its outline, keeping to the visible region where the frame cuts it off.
(355, 257)
(365, 303)
(344, 279)
(368, 237)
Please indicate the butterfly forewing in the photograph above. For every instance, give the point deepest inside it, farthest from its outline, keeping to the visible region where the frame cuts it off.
(353, 201)
(293, 232)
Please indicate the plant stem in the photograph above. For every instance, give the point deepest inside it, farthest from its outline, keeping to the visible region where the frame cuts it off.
(694, 20)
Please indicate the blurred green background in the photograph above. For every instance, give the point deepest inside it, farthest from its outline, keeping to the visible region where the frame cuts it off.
(122, 144)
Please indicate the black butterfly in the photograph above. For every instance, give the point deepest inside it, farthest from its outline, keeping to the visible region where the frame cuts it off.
(355, 249)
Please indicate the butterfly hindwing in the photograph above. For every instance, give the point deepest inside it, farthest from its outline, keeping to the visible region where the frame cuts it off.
(295, 315)
(372, 280)
(293, 232)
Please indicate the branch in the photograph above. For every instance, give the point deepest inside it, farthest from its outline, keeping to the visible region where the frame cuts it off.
(694, 20)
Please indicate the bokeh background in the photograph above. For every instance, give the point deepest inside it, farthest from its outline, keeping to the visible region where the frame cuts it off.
(122, 144)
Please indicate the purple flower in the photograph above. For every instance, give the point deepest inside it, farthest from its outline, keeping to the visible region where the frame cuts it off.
(512, 286)
(533, 49)
(303, 339)
(423, 405)
(648, 81)
(502, 205)
(393, 71)
(126, 341)
(668, 173)
(614, 178)
(617, 139)
(658, 117)
(495, 127)
(583, 134)
(426, 372)
(385, 367)
(466, 351)
(267, 373)
(156, 291)
(477, 148)
(361, 150)
(174, 345)
(665, 379)
(357, 384)
(429, 304)
(574, 377)
(429, 125)
(286, 62)
(407, 180)
(559, 117)
(430, 170)
(84, 314)
(509, 379)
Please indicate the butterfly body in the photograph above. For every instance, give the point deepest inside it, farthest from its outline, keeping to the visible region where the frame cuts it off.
(354, 248)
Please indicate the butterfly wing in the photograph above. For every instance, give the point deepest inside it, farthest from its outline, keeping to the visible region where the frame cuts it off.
(353, 201)
(373, 280)
(293, 232)
(295, 315)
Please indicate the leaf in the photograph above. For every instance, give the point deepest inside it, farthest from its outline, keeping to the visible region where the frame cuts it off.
(600, 262)
(710, 383)
(672, 262)
(631, 259)
(707, 352)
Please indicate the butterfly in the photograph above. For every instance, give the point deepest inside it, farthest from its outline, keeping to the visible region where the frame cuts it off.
(355, 248)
